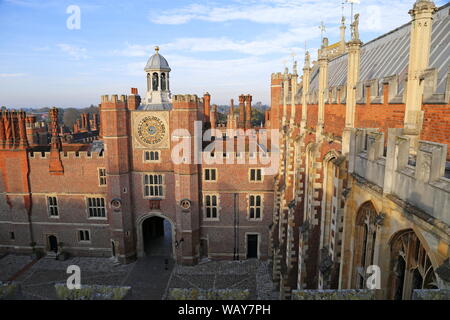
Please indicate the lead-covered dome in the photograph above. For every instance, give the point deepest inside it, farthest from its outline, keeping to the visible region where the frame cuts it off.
(157, 62)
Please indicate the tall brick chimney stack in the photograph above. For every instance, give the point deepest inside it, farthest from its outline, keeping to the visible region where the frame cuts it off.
(87, 121)
(8, 130)
(134, 99)
(213, 116)
(14, 129)
(23, 140)
(2, 130)
(95, 122)
(248, 111)
(207, 106)
(55, 166)
(241, 111)
(231, 119)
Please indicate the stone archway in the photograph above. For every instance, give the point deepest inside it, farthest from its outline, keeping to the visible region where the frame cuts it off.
(155, 235)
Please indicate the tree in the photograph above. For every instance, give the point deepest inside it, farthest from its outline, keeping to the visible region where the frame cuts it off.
(257, 117)
(70, 116)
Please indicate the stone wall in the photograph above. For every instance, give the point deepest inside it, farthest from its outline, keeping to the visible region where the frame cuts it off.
(211, 294)
(438, 294)
(333, 294)
(95, 292)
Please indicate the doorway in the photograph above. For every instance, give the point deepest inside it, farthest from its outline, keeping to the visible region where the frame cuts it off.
(113, 247)
(203, 248)
(157, 237)
(252, 246)
(53, 243)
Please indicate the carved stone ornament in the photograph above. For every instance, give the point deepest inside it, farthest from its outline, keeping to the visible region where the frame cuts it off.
(185, 204)
(116, 204)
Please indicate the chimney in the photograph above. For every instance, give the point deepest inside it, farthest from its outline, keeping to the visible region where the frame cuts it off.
(213, 116)
(2, 131)
(134, 100)
(23, 130)
(248, 111)
(55, 166)
(241, 111)
(207, 106)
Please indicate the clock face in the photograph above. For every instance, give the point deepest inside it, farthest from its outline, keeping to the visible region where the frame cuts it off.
(151, 130)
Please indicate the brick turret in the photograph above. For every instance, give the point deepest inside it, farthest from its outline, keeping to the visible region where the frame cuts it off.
(114, 112)
(185, 115)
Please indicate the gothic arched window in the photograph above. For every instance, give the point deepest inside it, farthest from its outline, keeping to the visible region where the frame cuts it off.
(366, 231)
(163, 81)
(155, 81)
(411, 266)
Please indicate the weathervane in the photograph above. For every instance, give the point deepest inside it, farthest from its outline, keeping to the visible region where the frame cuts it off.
(322, 30)
(352, 2)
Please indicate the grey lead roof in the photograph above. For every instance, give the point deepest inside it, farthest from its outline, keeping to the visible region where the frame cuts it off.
(388, 55)
(157, 62)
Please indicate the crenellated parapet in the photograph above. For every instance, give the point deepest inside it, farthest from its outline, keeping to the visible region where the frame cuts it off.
(418, 180)
(114, 99)
(387, 90)
(69, 155)
(186, 98)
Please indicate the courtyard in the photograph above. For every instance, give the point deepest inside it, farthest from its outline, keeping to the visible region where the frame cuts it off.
(150, 278)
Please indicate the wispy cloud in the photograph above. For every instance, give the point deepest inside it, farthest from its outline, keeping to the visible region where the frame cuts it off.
(12, 75)
(75, 52)
(281, 43)
(288, 12)
(33, 3)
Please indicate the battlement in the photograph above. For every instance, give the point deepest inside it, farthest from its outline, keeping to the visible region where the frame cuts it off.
(277, 76)
(44, 155)
(418, 180)
(185, 98)
(114, 98)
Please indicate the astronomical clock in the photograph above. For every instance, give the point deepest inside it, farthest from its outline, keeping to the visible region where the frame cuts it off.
(151, 131)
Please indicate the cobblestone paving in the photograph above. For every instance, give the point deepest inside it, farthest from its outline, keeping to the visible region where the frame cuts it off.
(11, 263)
(248, 274)
(148, 277)
(38, 282)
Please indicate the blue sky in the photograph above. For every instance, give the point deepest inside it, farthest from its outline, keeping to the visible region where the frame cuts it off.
(224, 47)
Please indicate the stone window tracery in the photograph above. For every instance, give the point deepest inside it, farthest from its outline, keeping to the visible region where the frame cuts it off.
(411, 266)
(366, 232)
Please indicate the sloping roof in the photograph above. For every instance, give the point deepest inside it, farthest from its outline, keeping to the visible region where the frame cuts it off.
(388, 55)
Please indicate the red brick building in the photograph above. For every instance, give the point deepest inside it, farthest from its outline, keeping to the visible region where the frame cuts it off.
(116, 195)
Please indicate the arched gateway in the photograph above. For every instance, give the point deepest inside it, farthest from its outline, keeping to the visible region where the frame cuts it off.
(156, 236)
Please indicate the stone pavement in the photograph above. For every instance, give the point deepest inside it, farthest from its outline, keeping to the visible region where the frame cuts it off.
(247, 274)
(147, 276)
(11, 264)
